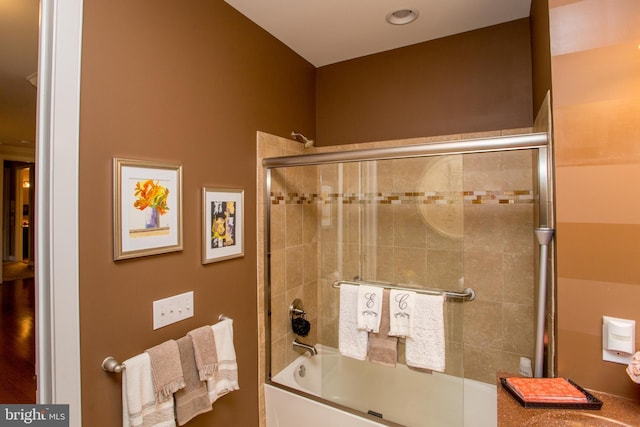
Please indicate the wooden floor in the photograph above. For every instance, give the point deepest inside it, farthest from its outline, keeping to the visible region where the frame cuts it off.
(17, 341)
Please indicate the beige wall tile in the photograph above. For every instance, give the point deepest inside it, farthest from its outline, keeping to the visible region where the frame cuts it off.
(310, 223)
(294, 179)
(483, 171)
(279, 316)
(310, 262)
(445, 269)
(483, 271)
(516, 170)
(293, 225)
(408, 173)
(278, 277)
(410, 266)
(445, 242)
(518, 229)
(278, 221)
(454, 363)
(518, 329)
(378, 263)
(409, 228)
(293, 267)
(483, 324)
(518, 279)
(481, 364)
(483, 228)
(278, 182)
(278, 354)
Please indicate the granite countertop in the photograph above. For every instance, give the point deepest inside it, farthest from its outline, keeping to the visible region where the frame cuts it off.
(615, 411)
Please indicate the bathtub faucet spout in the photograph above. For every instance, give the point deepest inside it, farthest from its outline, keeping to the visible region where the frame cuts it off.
(311, 349)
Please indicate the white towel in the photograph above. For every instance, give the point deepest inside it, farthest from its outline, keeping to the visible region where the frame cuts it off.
(139, 406)
(369, 308)
(401, 305)
(352, 342)
(225, 378)
(425, 348)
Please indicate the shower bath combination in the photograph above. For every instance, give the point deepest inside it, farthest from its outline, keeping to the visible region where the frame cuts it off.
(350, 221)
(307, 143)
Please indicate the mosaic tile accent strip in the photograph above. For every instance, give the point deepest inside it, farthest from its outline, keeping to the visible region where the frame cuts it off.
(476, 197)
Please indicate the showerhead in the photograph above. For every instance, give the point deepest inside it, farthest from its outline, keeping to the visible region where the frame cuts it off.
(302, 139)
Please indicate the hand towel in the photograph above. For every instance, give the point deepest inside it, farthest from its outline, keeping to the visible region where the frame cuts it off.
(139, 406)
(401, 312)
(193, 399)
(369, 305)
(383, 349)
(204, 348)
(166, 370)
(352, 342)
(425, 348)
(225, 378)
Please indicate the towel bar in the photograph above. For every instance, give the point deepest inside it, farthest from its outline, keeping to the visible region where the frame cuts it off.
(110, 364)
(466, 294)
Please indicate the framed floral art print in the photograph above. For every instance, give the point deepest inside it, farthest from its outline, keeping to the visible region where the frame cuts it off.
(147, 200)
(222, 224)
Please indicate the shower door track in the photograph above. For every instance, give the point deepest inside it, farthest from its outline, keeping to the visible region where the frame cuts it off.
(463, 146)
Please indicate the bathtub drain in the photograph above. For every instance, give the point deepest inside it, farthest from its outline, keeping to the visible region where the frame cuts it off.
(302, 371)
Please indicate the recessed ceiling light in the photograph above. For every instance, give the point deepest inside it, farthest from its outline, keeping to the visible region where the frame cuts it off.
(402, 16)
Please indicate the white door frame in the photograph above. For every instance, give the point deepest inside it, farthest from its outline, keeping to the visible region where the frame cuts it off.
(56, 247)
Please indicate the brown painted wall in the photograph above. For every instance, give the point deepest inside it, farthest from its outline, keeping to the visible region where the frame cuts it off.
(470, 82)
(540, 52)
(189, 83)
(596, 77)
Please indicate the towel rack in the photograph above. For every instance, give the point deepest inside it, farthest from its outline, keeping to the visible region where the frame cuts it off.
(110, 364)
(466, 294)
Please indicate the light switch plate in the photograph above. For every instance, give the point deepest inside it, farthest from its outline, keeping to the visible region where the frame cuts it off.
(172, 309)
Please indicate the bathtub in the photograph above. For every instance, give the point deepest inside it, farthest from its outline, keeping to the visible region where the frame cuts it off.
(399, 395)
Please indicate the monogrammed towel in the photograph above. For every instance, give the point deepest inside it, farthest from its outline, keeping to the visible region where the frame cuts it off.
(401, 312)
(369, 307)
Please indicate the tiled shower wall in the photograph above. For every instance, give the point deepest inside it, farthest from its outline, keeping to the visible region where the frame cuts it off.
(322, 230)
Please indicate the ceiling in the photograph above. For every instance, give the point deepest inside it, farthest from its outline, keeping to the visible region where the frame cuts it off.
(18, 60)
(321, 31)
(329, 31)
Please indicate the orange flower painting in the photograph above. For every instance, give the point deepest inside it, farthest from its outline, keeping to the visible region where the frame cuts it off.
(151, 195)
(147, 208)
